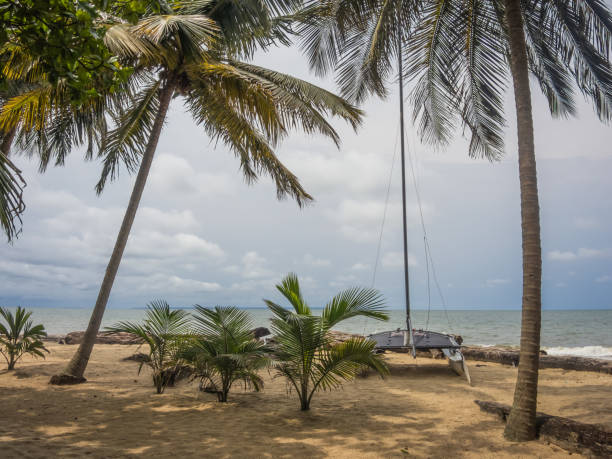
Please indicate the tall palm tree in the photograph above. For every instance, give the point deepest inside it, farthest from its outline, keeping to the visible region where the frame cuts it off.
(306, 355)
(190, 50)
(459, 53)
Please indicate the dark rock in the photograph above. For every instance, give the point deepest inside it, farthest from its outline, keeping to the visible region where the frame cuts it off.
(103, 338)
(66, 380)
(260, 332)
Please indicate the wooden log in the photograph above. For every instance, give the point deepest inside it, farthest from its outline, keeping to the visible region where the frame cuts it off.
(510, 356)
(573, 436)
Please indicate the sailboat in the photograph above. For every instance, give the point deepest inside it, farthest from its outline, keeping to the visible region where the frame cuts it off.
(409, 338)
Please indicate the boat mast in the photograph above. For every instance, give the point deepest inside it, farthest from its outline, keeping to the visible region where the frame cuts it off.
(402, 149)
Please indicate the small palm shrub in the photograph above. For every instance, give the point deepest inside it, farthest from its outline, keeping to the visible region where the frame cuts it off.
(165, 331)
(306, 355)
(19, 337)
(224, 350)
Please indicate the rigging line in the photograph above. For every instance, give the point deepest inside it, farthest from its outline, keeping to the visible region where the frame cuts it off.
(425, 243)
(382, 226)
(428, 253)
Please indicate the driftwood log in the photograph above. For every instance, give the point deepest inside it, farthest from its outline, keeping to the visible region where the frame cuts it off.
(590, 439)
(510, 356)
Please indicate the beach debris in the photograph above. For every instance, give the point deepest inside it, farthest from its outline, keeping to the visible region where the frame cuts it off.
(573, 436)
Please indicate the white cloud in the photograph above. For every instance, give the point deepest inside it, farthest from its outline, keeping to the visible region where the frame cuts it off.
(153, 244)
(255, 266)
(352, 171)
(316, 262)
(585, 223)
(557, 255)
(495, 282)
(360, 267)
(396, 260)
(174, 175)
(582, 253)
(192, 284)
(603, 279)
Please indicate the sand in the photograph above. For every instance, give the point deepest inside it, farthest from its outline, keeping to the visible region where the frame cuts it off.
(421, 410)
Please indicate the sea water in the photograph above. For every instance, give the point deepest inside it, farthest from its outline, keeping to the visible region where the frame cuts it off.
(585, 333)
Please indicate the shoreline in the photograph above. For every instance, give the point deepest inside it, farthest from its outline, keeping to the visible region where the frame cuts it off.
(506, 355)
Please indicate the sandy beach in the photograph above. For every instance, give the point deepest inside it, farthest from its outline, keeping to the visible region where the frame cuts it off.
(421, 410)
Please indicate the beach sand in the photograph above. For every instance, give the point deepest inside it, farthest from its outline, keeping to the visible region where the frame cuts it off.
(421, 410)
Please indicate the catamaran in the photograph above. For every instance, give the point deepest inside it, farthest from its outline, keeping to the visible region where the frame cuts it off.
(409, 338)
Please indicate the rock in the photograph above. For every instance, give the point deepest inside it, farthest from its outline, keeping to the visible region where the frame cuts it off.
(510, 356)
(577, 437)
(54, 338)
(338, 337)
(103, 338)
(260, 332)
(66, 380)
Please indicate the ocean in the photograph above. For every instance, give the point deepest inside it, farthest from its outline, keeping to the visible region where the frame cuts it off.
(585, 333)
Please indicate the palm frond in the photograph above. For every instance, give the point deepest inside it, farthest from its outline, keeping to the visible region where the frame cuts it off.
(125, 144)
(12, 205)
(354, 302)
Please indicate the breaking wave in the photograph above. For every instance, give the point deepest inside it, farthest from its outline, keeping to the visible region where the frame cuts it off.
(597, 352)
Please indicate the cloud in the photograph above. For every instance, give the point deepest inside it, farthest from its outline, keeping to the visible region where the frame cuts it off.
(172, 175)
(496, 282)
(583, 253)
(361, 220)
(396, 260)
(316, 262)
(252, 266)
(585, 223)
(352, 171)
(360, 267)
(603, 279)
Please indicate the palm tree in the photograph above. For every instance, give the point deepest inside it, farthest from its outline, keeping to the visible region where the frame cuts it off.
(224, 350)
(18, 336)
(459, 53)
(305, 353)
(188, 50)
(165, 332)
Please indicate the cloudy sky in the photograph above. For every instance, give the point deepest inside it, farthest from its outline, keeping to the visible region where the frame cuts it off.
(202, 235)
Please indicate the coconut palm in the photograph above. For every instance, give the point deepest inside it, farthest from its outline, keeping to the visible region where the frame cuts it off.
(18, 336)
(306, 354)
(41, 119)
(165, 332)
(189, 50)
(460, 55)
(224, 350)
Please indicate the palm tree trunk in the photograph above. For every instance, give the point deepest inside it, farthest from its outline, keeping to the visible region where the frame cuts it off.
(521, 424)
(7, 141)
(73, 374)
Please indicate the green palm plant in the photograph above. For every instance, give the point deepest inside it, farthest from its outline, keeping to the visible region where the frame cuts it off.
(18, 336)
(189, 50)
(165, 332)
(460, 55)
(305, 353)
(224, 351)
